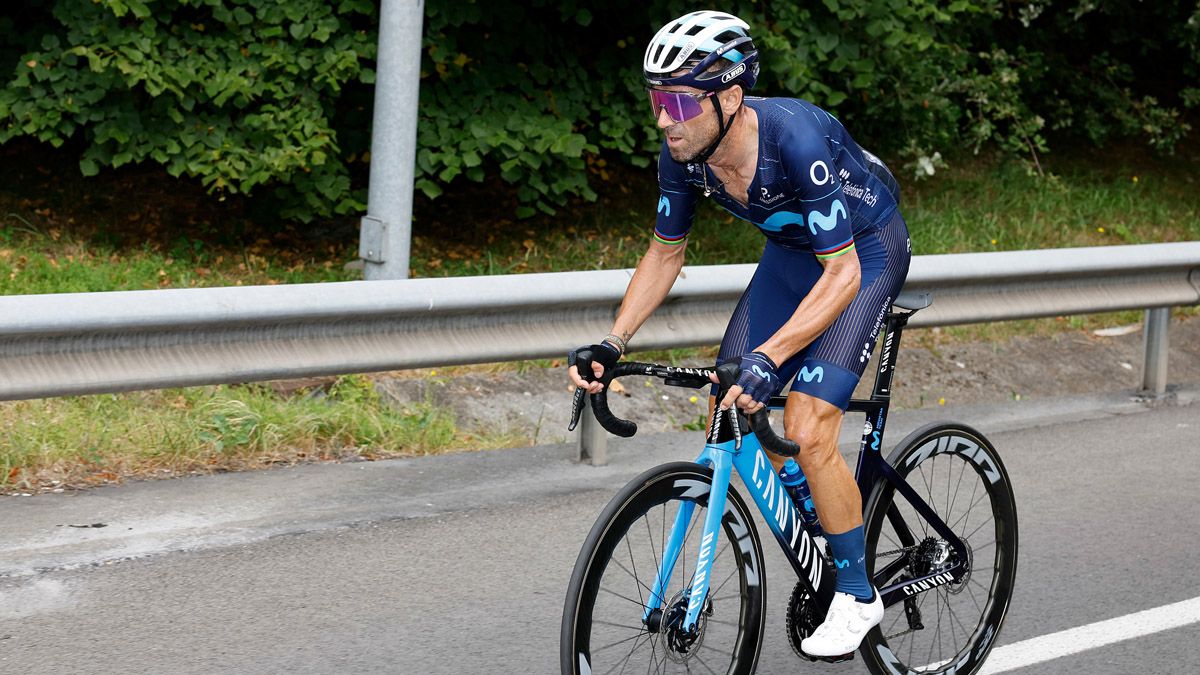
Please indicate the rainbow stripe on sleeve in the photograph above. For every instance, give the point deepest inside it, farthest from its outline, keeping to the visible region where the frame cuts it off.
(835, 251)
(669, 240)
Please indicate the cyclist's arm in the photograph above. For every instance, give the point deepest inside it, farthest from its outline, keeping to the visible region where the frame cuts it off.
(652, 280)
(828, 298)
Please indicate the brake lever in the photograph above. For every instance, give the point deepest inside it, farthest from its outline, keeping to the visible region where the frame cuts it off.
(737, 428)
(577, 407)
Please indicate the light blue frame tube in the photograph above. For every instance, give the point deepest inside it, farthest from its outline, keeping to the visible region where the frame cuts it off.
(773, 502)
(722, 466)
(670, 555)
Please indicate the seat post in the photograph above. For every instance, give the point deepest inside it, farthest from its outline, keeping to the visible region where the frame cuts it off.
(892, 330)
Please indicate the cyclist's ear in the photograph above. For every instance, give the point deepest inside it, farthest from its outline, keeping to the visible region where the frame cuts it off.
(731, 99)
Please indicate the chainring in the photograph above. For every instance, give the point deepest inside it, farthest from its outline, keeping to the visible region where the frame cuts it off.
(803, 617)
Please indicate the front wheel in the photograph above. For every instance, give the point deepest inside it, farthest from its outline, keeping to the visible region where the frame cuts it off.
(606, 626)
(942, 626)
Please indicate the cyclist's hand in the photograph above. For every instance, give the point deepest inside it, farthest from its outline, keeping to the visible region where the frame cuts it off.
(756, 384)
(600, 356)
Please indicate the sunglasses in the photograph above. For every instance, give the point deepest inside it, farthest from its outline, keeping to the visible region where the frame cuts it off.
(680, 106)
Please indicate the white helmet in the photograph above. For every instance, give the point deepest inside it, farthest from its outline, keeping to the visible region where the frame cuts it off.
(702, 39)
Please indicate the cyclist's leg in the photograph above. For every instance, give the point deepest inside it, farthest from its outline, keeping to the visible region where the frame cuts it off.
(824, 382)
(780, 282)
(830, 368)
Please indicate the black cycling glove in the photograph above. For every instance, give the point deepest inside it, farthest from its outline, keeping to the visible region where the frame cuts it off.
(604, 353)
(758, 377)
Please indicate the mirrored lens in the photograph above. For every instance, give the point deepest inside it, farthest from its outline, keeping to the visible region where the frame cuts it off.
(680, 107)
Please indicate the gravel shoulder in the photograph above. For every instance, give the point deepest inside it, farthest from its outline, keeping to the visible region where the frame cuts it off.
(534, 403)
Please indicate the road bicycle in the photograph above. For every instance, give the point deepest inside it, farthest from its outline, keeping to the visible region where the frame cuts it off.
(941, 541)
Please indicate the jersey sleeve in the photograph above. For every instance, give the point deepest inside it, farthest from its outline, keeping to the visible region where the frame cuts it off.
(813, 176)
(676, 201)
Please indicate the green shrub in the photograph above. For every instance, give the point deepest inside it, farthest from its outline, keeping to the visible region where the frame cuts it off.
(538, 96)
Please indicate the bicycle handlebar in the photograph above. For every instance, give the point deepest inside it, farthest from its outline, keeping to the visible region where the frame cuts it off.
(693, 378)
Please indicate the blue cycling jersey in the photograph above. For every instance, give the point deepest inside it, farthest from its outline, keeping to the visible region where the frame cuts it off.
(813, 190)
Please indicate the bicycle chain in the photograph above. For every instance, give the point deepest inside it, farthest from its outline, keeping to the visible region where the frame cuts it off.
(906, 551)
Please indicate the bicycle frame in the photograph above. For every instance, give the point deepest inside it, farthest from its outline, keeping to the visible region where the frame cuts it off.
(729, 448)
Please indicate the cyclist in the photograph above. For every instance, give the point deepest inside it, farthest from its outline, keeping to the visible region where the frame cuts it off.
(836, 255)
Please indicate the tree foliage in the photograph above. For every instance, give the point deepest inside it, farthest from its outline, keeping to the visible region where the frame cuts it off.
(253, 94)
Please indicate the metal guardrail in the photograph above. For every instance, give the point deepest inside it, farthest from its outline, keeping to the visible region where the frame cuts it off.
(80, 343)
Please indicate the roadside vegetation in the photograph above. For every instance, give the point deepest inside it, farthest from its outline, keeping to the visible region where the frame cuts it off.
(58, 236)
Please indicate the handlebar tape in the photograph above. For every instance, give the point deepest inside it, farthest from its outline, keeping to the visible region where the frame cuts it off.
(769, 439)
(611, 423)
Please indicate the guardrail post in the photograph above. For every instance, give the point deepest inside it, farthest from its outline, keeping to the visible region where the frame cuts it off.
(386, 230)
(593, 439)
(1154, 370)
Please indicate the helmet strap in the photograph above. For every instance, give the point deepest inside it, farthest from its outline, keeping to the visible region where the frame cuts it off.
(722, 128)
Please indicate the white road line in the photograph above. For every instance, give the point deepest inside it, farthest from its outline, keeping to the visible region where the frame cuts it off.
(1099, 634)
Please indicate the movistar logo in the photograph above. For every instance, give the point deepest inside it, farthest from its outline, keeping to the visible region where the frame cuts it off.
(826, 222)
(664, 204)
(759, 372)
(776, 221)
(841, 564)
(817, 374)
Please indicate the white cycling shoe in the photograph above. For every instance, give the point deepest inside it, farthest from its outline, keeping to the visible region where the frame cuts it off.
(845, 626)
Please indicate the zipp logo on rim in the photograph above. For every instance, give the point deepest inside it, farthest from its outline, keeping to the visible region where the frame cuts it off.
(957, 445)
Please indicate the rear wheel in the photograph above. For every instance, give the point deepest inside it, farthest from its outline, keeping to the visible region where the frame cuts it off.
(605, 629)
(949, 627)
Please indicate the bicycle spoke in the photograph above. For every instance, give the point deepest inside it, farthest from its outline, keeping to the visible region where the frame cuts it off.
(948, 483)
(937, 631)
(735, 571)
(624, 662)
(962, 469)
(966, 631)
(618, 625)
(653, 548)
(641, 585)
(611, 592)
(705, 664)
(619, 642)
(636, 578)
(981, 525)
(974, 501)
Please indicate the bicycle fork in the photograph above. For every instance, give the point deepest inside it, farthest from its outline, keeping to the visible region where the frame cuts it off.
(722, 465)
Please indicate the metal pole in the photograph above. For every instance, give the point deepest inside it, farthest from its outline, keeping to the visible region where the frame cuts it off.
(386, 230)
(593, 439)
(1154, 370)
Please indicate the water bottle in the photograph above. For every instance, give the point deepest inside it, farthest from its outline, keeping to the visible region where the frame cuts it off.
(797, 486)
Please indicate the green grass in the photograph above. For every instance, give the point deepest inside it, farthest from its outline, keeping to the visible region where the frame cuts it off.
(87, 440)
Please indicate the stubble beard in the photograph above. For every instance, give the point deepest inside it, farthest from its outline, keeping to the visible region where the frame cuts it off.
(691, 147)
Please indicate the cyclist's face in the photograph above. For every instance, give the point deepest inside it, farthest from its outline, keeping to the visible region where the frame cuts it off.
(686, 139)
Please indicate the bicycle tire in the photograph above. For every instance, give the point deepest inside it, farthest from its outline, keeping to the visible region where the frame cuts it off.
(609, 585)
(927, 457)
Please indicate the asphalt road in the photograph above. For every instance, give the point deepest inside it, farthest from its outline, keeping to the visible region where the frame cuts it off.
(392, 568)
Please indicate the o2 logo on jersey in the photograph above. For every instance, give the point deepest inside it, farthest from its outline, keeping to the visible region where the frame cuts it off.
(826, 221)
(818, 173)
(664, 204)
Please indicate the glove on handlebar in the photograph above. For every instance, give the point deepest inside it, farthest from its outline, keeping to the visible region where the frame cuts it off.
(758, 377)
(603, 353)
